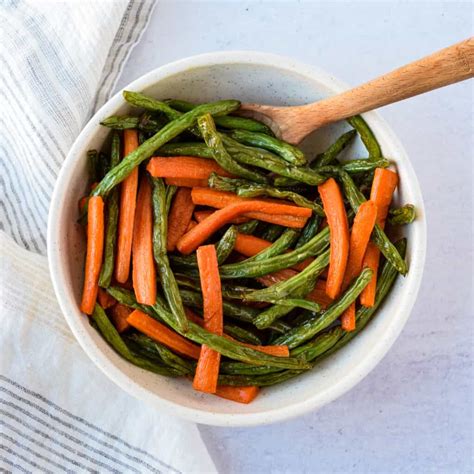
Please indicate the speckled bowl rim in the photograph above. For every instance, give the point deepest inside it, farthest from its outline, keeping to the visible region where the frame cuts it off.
(95, 352)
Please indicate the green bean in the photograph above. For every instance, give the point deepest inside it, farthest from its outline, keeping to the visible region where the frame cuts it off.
(201, 150)
(319, 345)
(356, 198)
(93, 166)
(286, 288)
(356, 166)
(334, 150)
(242, 313)
(168, 132)
(248, 227)
(120, 122)
(220, 155)
(259, 268)
(309, 230)
(242, 335)
(241, 368)
(110, 334)
(323, 159)
(145, 123)
(306, 331)
(148, 103)
(160, 231)
(224, 248)
(366, 135)
(288, 152)
(402, 215)
(258, 380)
(270, 315)
(247, 189)
(270, 162)
(166, 355)
(228, 121)
(112, 210)
(364, 314)
(169, 194)
(272, 232)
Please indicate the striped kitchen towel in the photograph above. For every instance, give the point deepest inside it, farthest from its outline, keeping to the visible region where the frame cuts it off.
(58, 412)
(59, 61)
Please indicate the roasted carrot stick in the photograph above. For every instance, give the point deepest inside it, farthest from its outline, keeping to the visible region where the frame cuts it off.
(362, 227)
(159, 332)
(279, 351)
(119, 314)
(128, 199)
(143, 272)
(95, 247)
(195, 237)
(333, 204)
(249, 245)
(383, 187)
(294, 216)
(207, 370)
(189, 167)
(186, 182)
(201, 215)
(237, 394)
(179, 217)
(104, 299)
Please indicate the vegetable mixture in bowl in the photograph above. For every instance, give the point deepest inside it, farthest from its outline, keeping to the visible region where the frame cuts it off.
(217, 252)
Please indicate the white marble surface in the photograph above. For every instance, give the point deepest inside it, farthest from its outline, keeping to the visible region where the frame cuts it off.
(413, 413)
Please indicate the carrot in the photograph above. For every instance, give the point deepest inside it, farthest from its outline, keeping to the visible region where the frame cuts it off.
(128, 198)
(294, 216)
(119, 314)
(189, 167)
(104, 299)
(362, 227)
(383, 187)
(237, 394)
(186, 182)
(192, 223)
(249, 245)
(333, 204)
(143, 272)
(195, 237)
(279, 351)
(179, 217)
(95, 247)
(201, 215)
(207, 370)
(159, 332)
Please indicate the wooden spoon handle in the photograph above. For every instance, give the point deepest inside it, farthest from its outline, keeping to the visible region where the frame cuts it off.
(442, 68)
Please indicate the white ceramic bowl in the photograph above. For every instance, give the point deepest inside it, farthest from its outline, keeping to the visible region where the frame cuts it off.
(250, 77)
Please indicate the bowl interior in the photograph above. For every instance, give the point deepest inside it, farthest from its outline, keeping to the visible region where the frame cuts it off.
(250, 79)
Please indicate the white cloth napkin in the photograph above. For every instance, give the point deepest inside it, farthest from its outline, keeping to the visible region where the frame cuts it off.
(59, 60)
(58, 412)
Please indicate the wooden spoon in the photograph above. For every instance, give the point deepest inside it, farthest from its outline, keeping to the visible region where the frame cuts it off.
(440, 69)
